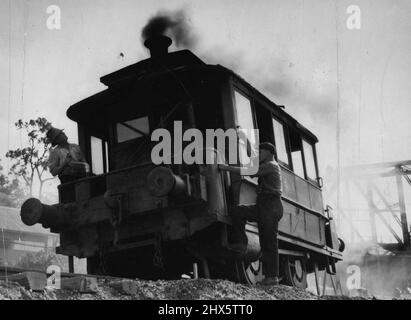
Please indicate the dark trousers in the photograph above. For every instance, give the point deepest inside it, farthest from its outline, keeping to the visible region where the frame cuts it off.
(267, 212)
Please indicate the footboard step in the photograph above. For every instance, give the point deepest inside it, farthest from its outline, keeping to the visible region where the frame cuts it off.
(30, 280)
(81, 284)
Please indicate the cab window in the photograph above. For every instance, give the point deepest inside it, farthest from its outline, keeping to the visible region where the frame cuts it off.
(99, 155)
(244, 113)
(280, 142)
(298, 166)
(245, 120)
(296, 147)
(132, 129)
(309, 160)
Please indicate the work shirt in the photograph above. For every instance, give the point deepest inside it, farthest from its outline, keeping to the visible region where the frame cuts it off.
(59, 154)
(269, 178)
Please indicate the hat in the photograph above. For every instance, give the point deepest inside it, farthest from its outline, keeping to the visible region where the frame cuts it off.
(52, 134)
(267, 146)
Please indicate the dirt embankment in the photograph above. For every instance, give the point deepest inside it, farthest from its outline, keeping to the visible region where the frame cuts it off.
(201, 289)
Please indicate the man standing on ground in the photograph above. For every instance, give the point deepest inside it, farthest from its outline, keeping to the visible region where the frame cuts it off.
(267, 212)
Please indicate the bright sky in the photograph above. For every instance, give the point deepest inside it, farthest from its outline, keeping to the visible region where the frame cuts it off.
(289, 49)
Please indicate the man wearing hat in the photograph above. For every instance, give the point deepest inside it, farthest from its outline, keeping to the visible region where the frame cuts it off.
(66, 160)
(267, 212)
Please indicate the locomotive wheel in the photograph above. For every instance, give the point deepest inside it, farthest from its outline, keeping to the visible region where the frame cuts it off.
(249, 273)
(237, 271)
(294, 271)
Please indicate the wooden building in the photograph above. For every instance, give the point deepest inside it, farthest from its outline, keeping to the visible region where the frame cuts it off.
(17, 239)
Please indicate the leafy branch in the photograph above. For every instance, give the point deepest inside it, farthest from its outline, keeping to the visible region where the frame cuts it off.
(30, 163)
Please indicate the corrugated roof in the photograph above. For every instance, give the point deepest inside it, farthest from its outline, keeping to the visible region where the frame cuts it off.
(10, 220)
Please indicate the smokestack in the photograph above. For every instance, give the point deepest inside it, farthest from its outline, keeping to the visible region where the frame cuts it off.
(171, 23)
(158, 45)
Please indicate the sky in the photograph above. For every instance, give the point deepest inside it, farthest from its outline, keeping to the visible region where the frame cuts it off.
(350, 87)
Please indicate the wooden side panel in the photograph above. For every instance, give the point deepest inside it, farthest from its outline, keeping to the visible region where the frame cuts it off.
(301, 191)
(302, 224)
(316, 199)
(303, 196)
(286, 221)
(289, 190)
(312, 228)
(298, 224)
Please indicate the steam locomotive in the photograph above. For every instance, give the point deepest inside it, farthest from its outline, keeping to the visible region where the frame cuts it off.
(132, 218)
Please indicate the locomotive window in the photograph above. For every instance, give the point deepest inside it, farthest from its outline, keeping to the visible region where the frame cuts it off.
(96, 155)
(99, 155)
(279, 138)
(297, 153)
(309, 160)
(244, 114)
(297, 157)
(132, 129)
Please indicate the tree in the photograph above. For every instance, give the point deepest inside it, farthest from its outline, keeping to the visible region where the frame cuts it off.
(30, 163)
(11, 193)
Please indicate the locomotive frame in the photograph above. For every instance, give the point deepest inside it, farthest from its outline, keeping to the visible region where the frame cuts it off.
(132, 219)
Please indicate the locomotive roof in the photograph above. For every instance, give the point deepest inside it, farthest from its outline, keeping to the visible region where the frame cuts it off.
(178, 60)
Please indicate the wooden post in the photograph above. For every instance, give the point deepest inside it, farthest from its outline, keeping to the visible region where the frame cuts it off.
(333, 284)
(71, 264)
(195, 270)
(206, 270)
(338, 284)
(324, 281)
(317, 280)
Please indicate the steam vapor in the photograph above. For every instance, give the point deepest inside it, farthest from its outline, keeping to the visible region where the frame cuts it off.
(171, 23)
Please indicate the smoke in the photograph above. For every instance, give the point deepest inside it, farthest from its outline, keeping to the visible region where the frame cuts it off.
(174, 24)
(381, 273)
(274, 75)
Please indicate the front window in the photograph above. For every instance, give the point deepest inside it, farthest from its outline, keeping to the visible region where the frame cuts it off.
(99, 155)
(279, 138)
(245, 120)
(296, 147)
(298, 163)
(309, 160)
(132, 129)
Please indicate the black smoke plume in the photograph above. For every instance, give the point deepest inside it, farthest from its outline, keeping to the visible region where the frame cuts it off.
(173, 24)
